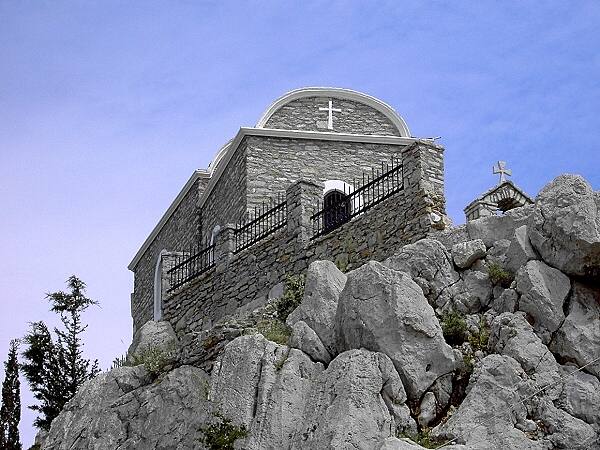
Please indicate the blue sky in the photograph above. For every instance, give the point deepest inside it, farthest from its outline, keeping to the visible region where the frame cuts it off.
(106, 108)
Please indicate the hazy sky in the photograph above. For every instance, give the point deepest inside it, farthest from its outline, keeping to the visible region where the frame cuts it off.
(106, 108)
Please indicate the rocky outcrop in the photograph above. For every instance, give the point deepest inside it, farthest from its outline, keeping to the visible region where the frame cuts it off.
(430, 265)
(367, 366)
(384, 310)
(123, 408)
(154, 337)
(324, 283)
(543, 292)
(565, 226)
(466, 253)
(578, 338)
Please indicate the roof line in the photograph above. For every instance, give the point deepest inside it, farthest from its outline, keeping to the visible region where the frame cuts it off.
(227, 151)
(347, 94)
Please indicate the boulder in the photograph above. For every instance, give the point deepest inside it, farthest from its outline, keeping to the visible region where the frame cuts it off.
(122, 408)
(543, 292)
(154, 336)
(428, 409)
(430, 265)
(579, 395)
(565, 226)
(263, 386)
(304, 338)
(520, 250)
(563, 430)
(506, 301)
(466, 253)
(475, 291)
(578, 339)
(347, 406)
(384, 310)
(495, 228)
(324, 282)
(487, 417)
(513, 336)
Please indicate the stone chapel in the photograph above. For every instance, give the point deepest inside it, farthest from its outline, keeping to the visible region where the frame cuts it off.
(326, 173)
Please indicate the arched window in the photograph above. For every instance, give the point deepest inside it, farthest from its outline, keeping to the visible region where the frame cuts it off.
(158, 288)
(336, 209)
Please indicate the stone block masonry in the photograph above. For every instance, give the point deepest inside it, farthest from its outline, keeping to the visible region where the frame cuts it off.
(239, 278)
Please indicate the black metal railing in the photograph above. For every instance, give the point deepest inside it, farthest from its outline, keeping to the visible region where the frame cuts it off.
(263, 222)
(189, 265)
(339, 206)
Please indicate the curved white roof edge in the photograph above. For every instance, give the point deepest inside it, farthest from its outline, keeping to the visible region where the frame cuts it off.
(347, 94)
(212, 166)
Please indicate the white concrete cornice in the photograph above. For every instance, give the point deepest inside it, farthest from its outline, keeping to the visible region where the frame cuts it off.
(347, 94)
(220, 162)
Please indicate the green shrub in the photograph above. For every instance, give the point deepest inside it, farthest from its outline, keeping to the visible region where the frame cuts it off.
(499, 275)
(292, 296)
(422, 438)
(454, 328)
(154, 359)
(479, 340)
(274, 330)
(222, 434)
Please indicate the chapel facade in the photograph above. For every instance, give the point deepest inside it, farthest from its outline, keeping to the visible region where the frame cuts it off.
(326, 173)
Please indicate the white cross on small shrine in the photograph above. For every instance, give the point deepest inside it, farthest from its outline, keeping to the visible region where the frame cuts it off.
(330, 109)
(500, 168)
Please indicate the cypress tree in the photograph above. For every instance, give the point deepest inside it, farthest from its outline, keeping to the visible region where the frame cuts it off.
(10, 412)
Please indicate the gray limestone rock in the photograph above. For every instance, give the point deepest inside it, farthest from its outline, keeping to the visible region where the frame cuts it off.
(578, 339)
(487, 417)
(121, 409)
(494, 228)
(520, 250)
(324, 282)
(506, 301)
(543, 292)
(513, 336)
(476, 291)
(304, 338)
(430, 266)
(384, 310)
(565, 226)
(154, 336)
(466, 253)
(428, 409)
(347, 406)
(565, 431)
(263, 386)
(580, 395)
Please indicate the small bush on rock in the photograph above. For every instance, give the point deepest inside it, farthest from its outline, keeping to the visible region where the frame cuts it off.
(499, 275)
(479, 340)
(454, 328)
(274, 330)
(154, 359)
(222, 434)
(292, 296)
(422, 438)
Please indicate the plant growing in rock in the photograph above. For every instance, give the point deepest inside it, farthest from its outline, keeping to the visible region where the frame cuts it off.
(479, 339)
(499, 275)
(221, 435)
(454, 328)
(423, 438)
(119, 361)
(274, 330)
(292, 296)
(154, 359)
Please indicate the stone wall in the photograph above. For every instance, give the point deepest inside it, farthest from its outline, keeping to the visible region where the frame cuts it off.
(273, 163)
(238, 280)
(355, 117)
(181, 230)
(227, 201)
